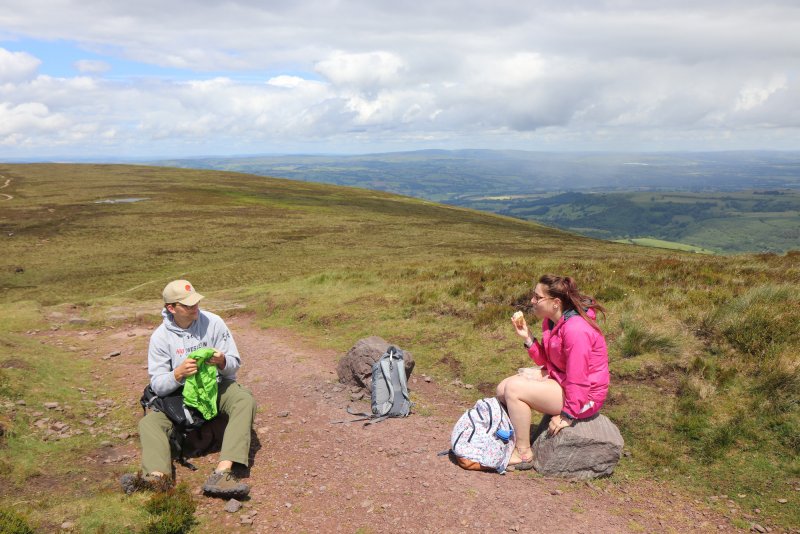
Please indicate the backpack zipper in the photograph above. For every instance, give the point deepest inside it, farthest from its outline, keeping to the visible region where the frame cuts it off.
(469, 414)
(489, 429)
(458, 438)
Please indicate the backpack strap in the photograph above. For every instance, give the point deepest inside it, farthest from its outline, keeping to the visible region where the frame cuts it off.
(178, 441)
(374, 420)
(147, 399)
(186, 463)
(402, 373)
(397, 354)
(362, 416)
(386, 368)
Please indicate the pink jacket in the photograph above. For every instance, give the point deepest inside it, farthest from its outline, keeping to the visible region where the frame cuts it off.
(575, 356)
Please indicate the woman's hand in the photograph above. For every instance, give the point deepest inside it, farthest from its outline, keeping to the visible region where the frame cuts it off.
(556, 424)
(518, 320)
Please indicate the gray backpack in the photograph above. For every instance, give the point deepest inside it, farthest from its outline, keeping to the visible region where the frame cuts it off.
(389, 389)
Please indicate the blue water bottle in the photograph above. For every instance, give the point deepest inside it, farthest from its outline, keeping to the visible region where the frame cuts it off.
(504, 435)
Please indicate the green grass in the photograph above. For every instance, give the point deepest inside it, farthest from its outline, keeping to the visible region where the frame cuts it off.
(703, 222)
(660, 243)
(172, 512)
(702, 348)
(14, 523)
(34, 468)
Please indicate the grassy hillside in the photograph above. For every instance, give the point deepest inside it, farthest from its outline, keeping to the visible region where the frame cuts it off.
(726, 222)
(701, 199)
(705, 383)
(448, 175)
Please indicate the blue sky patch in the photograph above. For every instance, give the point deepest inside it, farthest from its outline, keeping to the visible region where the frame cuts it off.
(59, 59)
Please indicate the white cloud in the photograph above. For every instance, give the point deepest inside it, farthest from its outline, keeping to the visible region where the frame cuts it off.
(16, 66)
(756, 94)
(367, 71)
(605, 74)
(293, 82)
(92, 66)
(18, 123)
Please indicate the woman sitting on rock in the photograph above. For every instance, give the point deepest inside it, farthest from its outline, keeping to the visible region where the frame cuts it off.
(573, 379)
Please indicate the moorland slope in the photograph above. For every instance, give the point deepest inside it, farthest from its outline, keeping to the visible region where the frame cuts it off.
(703, 349)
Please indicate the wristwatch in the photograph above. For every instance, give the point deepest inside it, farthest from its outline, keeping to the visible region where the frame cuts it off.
(568, 418)
(529, 345)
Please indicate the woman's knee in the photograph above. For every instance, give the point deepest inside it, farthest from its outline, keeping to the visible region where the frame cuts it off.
(515, 387)
(501, 388)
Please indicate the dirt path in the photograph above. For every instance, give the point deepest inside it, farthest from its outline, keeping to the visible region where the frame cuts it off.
(311, 476)
(8, 181)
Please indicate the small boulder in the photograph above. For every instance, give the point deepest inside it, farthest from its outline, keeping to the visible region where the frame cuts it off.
(355, 368)
(589, 449)
(233, 506)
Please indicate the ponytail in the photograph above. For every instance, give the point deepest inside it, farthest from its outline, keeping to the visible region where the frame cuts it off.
(566, 290)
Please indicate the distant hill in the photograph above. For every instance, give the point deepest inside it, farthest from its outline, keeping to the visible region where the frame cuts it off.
(554, 188)
(447, 175)
(727, 222)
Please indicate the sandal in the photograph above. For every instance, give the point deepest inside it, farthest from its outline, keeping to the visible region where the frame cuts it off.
(525, 460)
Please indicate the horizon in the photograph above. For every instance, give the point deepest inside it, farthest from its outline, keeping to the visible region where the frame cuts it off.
(157, 159)
(129, 82)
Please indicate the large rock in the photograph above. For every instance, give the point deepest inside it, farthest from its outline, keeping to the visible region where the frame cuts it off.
(355, 368)
(589, 449)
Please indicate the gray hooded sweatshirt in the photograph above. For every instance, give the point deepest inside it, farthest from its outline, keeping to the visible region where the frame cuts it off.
(170, 344)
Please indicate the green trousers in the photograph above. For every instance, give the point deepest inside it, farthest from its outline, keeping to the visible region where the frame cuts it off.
(234, 400)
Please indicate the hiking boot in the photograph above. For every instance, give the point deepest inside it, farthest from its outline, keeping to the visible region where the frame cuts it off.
(225, 484)
(132, 482)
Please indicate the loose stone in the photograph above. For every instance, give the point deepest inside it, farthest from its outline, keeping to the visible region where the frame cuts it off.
(233, 506)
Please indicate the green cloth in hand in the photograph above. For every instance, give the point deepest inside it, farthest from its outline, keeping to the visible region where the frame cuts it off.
(200, 389)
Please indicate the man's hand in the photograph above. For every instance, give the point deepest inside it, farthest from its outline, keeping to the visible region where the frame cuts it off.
(218, 359)
(187, 368)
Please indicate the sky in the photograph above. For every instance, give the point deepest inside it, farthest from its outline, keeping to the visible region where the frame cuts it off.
(148, 79)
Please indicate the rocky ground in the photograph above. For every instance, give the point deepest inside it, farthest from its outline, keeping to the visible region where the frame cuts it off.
(309, 475)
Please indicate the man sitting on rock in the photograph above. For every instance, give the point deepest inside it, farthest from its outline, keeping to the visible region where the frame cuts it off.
(185, 329)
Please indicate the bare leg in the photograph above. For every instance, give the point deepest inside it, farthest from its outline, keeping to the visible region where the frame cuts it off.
(501, 390)
(521, 395)
(501, 387)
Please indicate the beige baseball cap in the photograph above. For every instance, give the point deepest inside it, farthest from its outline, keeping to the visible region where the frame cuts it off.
(181, 291)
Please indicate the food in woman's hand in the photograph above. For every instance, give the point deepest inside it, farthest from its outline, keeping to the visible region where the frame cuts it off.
(518, 318)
